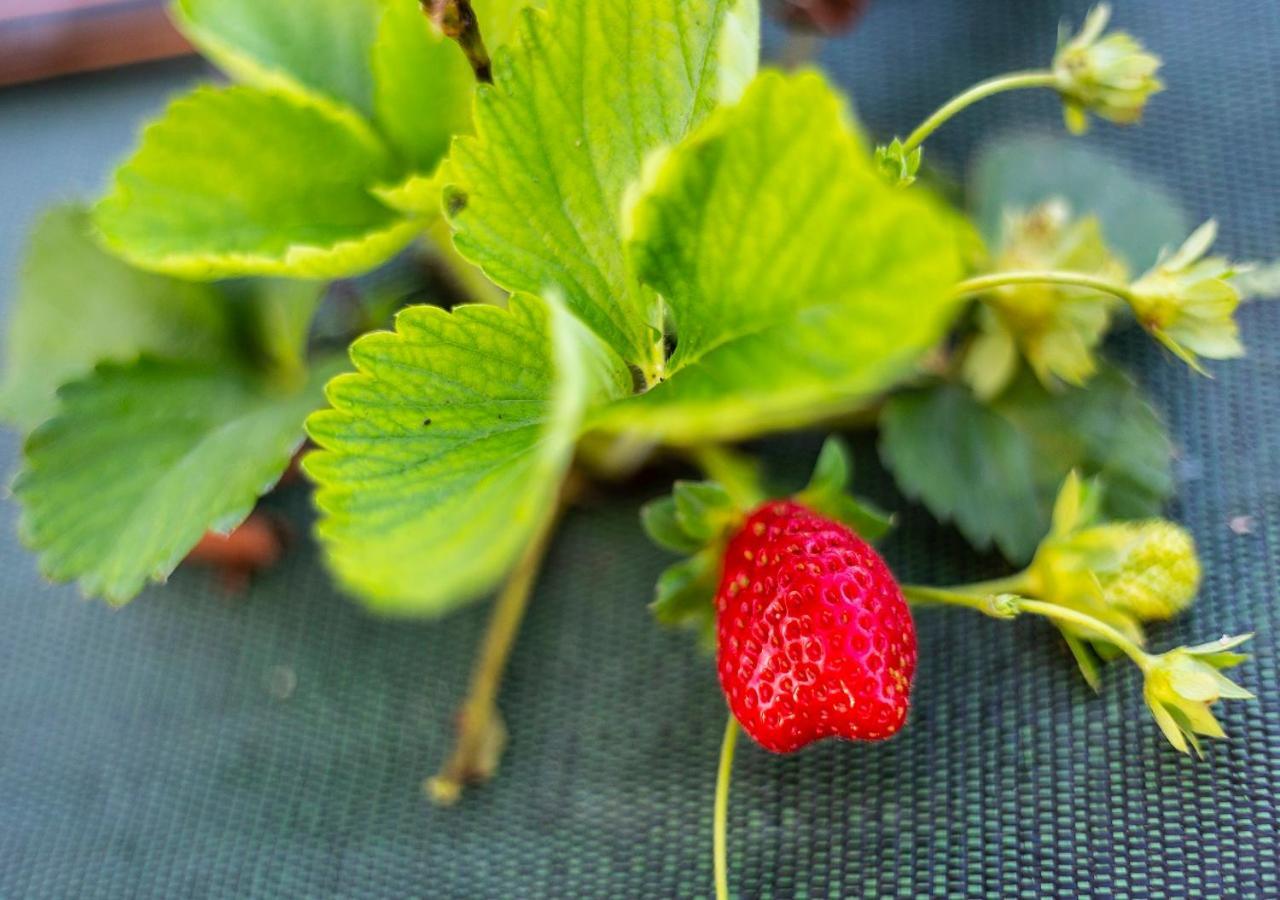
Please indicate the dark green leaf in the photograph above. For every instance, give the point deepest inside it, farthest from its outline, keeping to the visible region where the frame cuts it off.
(968, 464)
(77, 306)
(1020, 171)
(995, 470)
(144, 458)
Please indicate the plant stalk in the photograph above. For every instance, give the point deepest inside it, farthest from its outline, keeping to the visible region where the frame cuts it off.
(997, 85)
(720, 825)
(482, 736)
(736, 472)
(983, 283)
(457, 20)
(983, 598)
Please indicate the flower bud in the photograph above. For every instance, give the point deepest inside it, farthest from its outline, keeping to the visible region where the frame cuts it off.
(1182, 683)
(897, 165)
(1054, 327)
(1156, 575)
(1188, 302)
(1110, 76)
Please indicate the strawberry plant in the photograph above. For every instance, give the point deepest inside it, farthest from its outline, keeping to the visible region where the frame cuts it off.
(639, 244)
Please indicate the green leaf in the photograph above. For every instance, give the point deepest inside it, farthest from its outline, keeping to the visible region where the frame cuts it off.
(1017, 172)
(237, 181)
(798, 281)
(662, 525)
(303, 47)
(78, 306)
(994, 469)
(1108, 430)
(560, 135)
(967, 464)
(143, 458)
(445, 449)
(423, 86)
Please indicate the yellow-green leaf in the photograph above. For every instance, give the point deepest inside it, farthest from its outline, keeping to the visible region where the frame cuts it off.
(446, 448)
(586, 92)
(239, 181)
(143, 458)
(309, 47)
(77, 306)
(798, 281)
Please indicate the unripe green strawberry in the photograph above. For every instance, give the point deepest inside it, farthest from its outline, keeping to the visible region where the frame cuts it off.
(1158, 574)
(813, 636)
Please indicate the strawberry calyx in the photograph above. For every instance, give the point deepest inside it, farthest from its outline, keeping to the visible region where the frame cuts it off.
(697, 519)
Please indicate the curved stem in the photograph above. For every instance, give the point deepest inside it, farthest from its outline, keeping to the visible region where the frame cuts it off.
(482, 735)
(457, 20)
(997, 85)
(1063, 614)
(720, 826)
(981, 597)
(983, 283)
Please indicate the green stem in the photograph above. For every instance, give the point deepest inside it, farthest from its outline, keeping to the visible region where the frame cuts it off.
(984, 283)
(981, 597)
(457, 20)
(799, 49)
(1062, 614)
(720, 825)
(922, 595)
(736, 472)
(1012, 81)
(481, 732)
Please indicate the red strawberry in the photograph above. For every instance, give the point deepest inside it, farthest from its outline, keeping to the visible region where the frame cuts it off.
(827, 16)
(813, 636)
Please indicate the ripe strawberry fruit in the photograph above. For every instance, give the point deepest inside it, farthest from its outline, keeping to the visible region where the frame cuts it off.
(813, 636)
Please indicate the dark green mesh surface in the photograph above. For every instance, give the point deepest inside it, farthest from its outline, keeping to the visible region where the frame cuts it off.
(143, 752)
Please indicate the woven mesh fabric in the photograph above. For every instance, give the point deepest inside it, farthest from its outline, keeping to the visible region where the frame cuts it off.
(151, 752)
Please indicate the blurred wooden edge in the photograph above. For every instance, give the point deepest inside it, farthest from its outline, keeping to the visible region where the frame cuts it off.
(44, 38)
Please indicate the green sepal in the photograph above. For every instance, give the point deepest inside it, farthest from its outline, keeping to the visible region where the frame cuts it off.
(1086, 659)
(685, 595)
(662, 525)
(703, 509)
(897, 165)
(827, 493)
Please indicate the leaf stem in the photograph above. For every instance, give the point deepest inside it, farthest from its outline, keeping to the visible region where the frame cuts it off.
(481, 733)
(457, 20)
(983, 283)
(997, 85)
(799, 48)
(720, 825)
